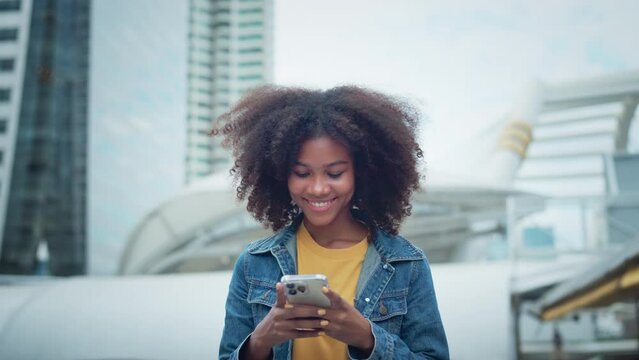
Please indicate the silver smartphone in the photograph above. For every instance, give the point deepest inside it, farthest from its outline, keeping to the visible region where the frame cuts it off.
(306, 289)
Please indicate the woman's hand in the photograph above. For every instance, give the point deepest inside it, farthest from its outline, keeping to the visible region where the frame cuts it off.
(283, 322)
(346, 323)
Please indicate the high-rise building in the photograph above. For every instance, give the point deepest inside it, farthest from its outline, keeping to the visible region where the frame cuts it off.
(230, 52)
(44, 60)
(14, 31)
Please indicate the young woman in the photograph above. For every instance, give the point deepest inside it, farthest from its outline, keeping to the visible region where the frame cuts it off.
(331, 173)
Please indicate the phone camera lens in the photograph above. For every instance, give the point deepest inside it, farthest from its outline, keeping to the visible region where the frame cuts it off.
(290, 285)
(301, 288)
(292, 291)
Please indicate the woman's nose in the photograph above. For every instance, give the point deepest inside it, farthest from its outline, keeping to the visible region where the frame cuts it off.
(319, 186)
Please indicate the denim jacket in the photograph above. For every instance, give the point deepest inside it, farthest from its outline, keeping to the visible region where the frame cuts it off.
(394, 292)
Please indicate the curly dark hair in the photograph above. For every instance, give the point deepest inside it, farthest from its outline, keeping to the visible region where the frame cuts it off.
(267, 127)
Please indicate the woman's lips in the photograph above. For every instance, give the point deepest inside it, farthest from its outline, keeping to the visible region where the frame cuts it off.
(320, 205)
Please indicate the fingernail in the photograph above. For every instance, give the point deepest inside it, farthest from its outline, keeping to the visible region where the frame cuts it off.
(321, 312)
(288, 306)
(324, 322)
(324, 289)
(321, 333)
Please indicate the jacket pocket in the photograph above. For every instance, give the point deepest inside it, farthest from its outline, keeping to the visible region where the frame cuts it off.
(262, 296)
(390, 310)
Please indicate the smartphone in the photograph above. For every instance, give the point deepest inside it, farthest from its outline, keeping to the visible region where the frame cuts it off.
(306, 289)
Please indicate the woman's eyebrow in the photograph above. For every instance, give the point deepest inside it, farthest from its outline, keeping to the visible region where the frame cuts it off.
(338, 162)
(334, 163)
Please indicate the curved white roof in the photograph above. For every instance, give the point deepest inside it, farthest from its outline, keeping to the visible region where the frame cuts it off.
(180, 220)
(205, 228)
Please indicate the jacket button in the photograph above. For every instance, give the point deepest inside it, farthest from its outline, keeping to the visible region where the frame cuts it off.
(385, 266)
(367, 299)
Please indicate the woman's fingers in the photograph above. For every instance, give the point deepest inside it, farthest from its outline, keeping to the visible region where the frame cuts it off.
(336, 300)
(309, 324)
(281, 298)
(301, 311)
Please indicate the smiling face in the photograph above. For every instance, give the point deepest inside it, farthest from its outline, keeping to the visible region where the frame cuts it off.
(322, 182)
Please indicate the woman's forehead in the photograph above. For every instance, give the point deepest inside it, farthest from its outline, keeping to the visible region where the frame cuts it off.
(323, 151)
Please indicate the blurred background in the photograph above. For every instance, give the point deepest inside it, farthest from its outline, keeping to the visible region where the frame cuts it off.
(118, 222)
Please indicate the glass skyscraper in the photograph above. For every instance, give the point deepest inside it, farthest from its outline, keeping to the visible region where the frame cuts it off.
(46, 181)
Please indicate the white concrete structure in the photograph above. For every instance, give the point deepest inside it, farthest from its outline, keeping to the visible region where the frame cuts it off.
(577, 125)
(517, 134)
(14, 36)
(182, 316)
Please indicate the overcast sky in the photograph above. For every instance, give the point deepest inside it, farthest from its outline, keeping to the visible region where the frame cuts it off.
(462, 62)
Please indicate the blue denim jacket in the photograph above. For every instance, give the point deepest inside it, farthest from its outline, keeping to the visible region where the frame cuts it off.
(394, 292)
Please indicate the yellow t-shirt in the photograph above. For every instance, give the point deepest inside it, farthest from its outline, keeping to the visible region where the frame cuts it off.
(342, 268)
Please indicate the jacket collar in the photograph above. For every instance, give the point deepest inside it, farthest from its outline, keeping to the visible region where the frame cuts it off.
(390, 248)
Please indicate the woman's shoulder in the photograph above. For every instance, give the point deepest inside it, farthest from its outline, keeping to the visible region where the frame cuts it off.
(397, 247)
(266, 244)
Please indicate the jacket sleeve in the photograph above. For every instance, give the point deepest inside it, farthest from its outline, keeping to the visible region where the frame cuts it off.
(422, 333)
(238, 322)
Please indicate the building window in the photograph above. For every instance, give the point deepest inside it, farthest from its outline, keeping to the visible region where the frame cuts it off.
(3, 126)
(251, 77)
(222, 11)
(5, 95)
(250, 37)
(8, 34)
(250, 51)
(251, 11)
(9, 5)
(250, 63)
(221, 24)
(250, 24)
(6, 65)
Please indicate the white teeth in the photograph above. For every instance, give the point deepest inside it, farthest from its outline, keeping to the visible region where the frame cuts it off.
(320, 204)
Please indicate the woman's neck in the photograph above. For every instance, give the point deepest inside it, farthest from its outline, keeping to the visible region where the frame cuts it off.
(342, 234)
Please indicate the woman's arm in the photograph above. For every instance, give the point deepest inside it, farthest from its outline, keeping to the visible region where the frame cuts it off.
(238, 322)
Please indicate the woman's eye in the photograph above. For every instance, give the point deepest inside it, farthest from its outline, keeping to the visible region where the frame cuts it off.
(335, 175)
(300, 174)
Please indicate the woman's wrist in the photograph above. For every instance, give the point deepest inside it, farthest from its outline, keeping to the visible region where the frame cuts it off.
(255, 348)
(367, 341)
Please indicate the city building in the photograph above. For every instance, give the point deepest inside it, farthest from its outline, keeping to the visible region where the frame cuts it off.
(230, 52)
(44, 55)
(13, 49)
